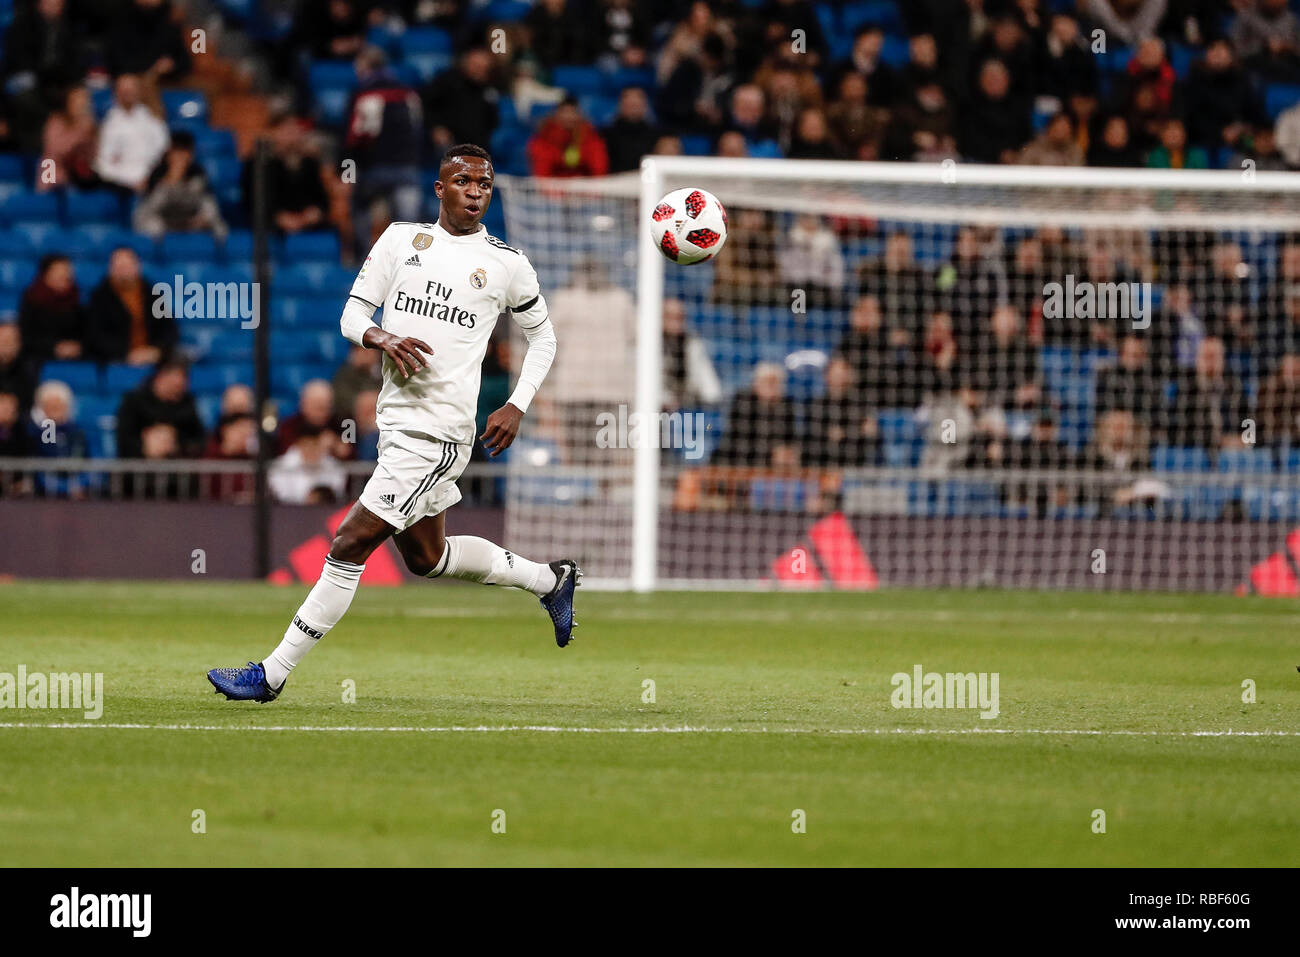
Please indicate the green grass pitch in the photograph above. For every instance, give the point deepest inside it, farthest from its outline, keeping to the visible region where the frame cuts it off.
(754, 684)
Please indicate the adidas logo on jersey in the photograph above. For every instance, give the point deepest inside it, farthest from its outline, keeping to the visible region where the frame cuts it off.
(414, 260)
(388, 499)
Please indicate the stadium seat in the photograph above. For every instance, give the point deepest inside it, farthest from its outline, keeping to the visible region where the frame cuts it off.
(696, 144)
(319, 245)
(579, 80)
(120, 377)
(1245, 461)
(230, 347)
(313, 279)
(305, 313)
(625, 76)
(78, 376)
(332, 84)
(201, 247)
(780, 495)
(96, 206)
(215, 142)
(12, 169)
(216, 376)
(1180, 459)
(427, 65)
(505, 11)
(17, 274)
(1265, 503)
(238, 247)
(876, 13)
(30, 207)
(598, 108)
(425, 40)
(1279, 97)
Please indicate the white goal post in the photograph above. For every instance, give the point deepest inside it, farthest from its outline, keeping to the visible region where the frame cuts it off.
(817, 238)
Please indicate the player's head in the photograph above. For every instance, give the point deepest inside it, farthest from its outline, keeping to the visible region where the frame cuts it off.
(464, 187)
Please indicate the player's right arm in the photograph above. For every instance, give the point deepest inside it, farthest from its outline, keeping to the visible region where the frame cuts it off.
(370, 290)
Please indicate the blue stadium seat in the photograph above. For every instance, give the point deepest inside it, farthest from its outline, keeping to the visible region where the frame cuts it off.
(318, 279)
(230, 347)
(78, 376)
(780, 495)
(598, 108)
(579, 79)
(96, 206)
(425, 40)
(238, 247)
(291, 377)
(1180, 459)
(294, 347)
(209, 142)
(120, 377)
(319, 245)
(9, 304)
(896, 52)
(1265, 503)
(426, 66)
(505, 11)
(959, 498)
(223, 171)
(101, 98)
(77, 243)
(332, 84)
(12, 169)
(196, 247)
(215, 377)
(876, 13)
(29, 207)
(1196, 503)
(1245, 461)
(17, 273)
(625, 76)
(306, 313)
(1279, 97)
(697, 144)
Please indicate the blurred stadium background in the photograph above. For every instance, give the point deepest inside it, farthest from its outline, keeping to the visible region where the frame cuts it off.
(850, 317)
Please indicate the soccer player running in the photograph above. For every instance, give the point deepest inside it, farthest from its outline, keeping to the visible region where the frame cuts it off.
(442, 287)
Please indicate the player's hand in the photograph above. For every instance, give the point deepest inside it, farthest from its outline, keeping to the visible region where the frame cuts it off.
(404, 351)
(501, 429)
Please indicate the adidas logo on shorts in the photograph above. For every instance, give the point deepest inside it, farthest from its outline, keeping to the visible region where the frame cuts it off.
(387, 499)
(414, 260)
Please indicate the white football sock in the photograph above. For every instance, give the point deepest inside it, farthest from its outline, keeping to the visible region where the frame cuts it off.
(478, 560)
(325, 605)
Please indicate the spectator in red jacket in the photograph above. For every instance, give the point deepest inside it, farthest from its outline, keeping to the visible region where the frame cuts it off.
(566, 144)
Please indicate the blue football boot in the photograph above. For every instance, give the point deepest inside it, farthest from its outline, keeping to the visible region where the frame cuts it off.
(558, 602)
(244, 684)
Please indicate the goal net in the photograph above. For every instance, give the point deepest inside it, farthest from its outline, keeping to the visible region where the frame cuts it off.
(919, 375)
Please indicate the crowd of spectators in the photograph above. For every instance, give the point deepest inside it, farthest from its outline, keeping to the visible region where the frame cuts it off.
(997, 81)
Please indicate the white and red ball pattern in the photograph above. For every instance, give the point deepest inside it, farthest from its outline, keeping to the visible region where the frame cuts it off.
(689, 226)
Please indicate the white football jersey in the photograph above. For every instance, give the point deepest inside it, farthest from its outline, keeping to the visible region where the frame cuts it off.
(448, 291)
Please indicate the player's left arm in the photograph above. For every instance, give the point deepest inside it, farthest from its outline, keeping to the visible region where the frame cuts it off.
(524, 299)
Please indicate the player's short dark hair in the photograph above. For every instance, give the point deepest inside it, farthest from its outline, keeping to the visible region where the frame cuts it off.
(465, 149)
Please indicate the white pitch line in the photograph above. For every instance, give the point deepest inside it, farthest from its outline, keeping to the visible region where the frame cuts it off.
(685, 729)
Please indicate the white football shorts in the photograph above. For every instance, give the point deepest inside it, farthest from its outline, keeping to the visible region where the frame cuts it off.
(407, 485)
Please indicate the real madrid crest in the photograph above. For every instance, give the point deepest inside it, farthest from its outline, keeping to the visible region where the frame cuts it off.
(422, 241)
(478, 278)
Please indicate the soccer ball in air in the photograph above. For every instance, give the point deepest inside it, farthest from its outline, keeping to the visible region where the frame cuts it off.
(689, 226)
